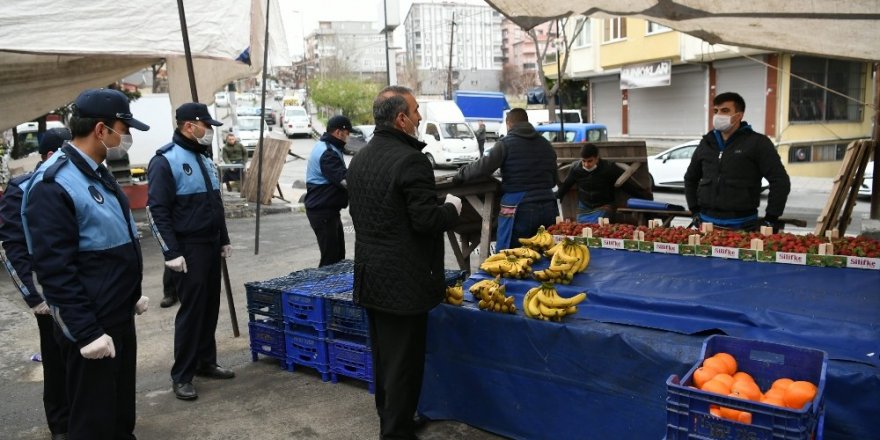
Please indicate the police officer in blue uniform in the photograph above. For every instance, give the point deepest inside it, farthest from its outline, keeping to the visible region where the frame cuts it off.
(17, 261)
(87, 257)
(186, 214)
(326, 194)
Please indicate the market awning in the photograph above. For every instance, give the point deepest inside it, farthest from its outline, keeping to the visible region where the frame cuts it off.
(832, 28)
(49, 53)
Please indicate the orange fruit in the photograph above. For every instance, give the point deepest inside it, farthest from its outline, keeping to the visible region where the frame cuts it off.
(717, 387)
(728, 360)
(782, 383)
(744, 417)
(742, 375)
(729, 413)
(703, 375)
(726, 378)
(798, 394)
(775, 394)
(748, 390)
(716, 364)
(715, 411)
(777, 401)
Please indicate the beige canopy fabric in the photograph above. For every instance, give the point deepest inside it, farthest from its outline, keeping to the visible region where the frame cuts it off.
(831, 28)
(48, 56)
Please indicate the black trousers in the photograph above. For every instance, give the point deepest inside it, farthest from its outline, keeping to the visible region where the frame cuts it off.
(199, 292)
(169, 285)
(398, 345)
(327, 225)
(101, 391)
(54, 371)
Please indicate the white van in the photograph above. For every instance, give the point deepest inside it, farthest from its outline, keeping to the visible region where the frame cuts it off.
(295, 120)
(451, 141)
(541, 116)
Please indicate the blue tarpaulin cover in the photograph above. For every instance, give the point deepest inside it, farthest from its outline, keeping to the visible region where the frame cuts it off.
(652, 204)
(602, 372)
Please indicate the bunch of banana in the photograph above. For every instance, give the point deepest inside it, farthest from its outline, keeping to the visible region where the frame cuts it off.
(541, 241)
(455, 294)
(507, 265)
(543, 302)
(522, 252)
(568, 258)
(491, 297)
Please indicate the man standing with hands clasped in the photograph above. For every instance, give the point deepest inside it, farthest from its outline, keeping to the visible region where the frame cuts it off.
(186, 214)
(87, 257)
(398, 256)
(723, 181)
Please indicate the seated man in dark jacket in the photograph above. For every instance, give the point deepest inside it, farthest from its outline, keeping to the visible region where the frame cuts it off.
(596, 180)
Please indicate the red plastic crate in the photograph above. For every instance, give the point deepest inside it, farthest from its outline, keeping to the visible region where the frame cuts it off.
(687, 409)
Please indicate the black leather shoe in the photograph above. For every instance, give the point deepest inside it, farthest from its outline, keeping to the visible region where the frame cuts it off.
(215, 372)
(185, 391)
(419, 422)
(168, 301)
(59, 436)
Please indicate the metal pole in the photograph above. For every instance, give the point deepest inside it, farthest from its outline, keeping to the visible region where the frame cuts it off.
(875, 138)
(559, 86)
(189, 60)
(449, 73)
(262, 125)
(387, 55)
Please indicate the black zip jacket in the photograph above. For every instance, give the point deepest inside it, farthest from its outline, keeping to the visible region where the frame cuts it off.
(596, 188)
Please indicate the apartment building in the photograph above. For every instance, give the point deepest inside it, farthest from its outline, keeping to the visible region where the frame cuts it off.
(355, 47)
(475, 46)
(519, 55)
(649, 82)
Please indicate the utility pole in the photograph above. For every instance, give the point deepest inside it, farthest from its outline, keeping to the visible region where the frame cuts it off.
(559, 85)
(387, 55)
(449, 73)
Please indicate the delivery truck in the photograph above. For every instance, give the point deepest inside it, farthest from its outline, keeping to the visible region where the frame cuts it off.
(451, 141)
(479, 106)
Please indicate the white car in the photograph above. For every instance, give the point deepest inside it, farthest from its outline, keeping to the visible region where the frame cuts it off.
(247, 130)
(867, 184)
(295, 120)
(667, 168)
(221, 99)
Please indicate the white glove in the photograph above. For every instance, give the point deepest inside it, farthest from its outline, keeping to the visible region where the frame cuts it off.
(142, 305)
(454, 201)
(99, 348)
(41, 309)
(178, 264)
(226, 251)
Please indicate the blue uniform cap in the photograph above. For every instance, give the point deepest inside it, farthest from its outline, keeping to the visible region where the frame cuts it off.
(106, 104)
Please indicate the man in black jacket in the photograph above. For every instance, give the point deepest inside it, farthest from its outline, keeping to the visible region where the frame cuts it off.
(326, 194)
(528, 169)
(723, 181)
(595, 179)
(398, 255)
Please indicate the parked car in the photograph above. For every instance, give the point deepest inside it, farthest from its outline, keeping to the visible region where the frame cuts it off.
(360, 136)
(247, 130)
(574, 132)
(270, 116)
(868, 183)
(246, 110)
(221, 99)
(667, 169)
(295, 120)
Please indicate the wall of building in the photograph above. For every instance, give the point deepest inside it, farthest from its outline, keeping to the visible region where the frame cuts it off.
(638, 47)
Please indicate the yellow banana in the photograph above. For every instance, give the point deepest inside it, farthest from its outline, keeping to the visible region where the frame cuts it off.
(571, 310)
(496, 267)
(453, 301)
(565, 256)
(552, 299)
(549, 312)
(455, 292)
(496, 257)
(553, 249)
(526, 299)
(532, 305)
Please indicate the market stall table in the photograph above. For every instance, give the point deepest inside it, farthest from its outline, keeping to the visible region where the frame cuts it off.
(602, 373)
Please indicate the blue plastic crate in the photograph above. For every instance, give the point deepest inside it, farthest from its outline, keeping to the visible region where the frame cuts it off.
(345, 319)
(352, 360)
(304, 308)
(307, 350)
(267, 339)
(453, 276)
(263, 300)
(687, 409)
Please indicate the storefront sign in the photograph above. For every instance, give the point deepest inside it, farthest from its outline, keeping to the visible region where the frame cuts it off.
(637, 76)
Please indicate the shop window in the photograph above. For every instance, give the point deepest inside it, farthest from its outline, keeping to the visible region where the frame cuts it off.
(583, 37)
(816, 153)
(808, 102)
(615, 29)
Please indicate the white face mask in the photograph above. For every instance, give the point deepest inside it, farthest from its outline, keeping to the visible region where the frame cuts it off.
(721, 122)
(207, 137)
(125, 141)
(415, 134)
(591, 169)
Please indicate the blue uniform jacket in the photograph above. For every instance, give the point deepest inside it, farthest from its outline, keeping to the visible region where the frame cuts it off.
(84, 245)
(15, 253)
(324, 175)
(184, 202)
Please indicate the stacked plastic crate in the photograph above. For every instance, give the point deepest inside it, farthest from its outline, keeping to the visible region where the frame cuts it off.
(305, 326)
(349, 343)
(265, 323)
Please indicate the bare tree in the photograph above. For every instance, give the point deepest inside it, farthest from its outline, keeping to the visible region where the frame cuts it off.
(563, 43)
(517, 81)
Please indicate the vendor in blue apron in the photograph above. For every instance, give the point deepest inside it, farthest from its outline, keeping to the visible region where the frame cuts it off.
(596, 181)
(528, 174)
